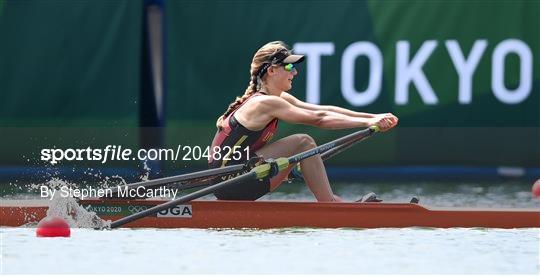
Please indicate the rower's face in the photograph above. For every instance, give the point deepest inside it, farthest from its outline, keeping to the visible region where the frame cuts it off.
(284, 75)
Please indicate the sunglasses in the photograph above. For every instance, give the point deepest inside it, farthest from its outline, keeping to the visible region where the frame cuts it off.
(289, 67)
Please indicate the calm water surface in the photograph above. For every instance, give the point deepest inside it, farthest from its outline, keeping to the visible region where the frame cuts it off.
(409, 250)
(316, 251)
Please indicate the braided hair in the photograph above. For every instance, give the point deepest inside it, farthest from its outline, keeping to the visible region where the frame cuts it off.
(260, 63)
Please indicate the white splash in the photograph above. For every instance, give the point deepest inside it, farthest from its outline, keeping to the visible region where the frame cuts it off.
(113, 181)
(69, 209)
(77, 216)
(146, 171)
(53, 183)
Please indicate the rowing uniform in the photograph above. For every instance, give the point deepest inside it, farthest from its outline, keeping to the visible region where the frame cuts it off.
(235, 134)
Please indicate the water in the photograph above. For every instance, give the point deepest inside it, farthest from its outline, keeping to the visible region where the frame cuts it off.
(297, 251)
(507, 194)
(293, 251)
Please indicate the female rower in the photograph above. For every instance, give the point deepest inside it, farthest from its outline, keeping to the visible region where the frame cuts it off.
(251, 121)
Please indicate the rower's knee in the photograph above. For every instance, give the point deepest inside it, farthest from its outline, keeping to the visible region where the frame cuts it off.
(306, 142)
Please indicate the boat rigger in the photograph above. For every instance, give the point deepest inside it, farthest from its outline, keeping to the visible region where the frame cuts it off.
(283, 214)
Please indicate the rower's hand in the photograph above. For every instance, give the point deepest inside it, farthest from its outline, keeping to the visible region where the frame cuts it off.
(385, 121)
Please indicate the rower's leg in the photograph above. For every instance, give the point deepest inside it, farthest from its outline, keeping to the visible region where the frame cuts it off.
(312, 168)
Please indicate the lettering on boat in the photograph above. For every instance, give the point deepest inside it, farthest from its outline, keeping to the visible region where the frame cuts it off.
(177, 211)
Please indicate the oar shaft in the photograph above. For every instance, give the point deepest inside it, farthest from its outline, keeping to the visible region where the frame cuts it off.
(339, 149)
(332, 144)
(186, 198)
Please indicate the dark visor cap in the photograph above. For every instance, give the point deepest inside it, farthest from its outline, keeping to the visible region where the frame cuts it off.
(293, 59)
(284, 57)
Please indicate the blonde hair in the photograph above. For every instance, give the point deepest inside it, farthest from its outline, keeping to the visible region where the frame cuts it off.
(261, 57)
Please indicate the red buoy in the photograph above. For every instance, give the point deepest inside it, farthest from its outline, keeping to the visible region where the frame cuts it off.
(53, 227)
(536, 189)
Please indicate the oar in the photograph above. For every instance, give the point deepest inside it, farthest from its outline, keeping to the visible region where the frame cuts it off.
(203, 178)
(325, 156)
(346, 140)
(197, 183)
(259, 172)
(339, 149)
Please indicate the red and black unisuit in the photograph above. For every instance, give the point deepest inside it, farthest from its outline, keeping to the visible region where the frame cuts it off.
(235, 134)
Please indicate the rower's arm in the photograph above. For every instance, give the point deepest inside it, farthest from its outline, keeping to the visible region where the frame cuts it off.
(314, 107)
(278, 107)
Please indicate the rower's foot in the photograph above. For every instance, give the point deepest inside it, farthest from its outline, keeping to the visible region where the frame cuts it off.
(370, 197)
(414, 200)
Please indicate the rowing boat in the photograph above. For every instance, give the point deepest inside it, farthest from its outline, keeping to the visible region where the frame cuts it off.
(282, 214)
(188, 212)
